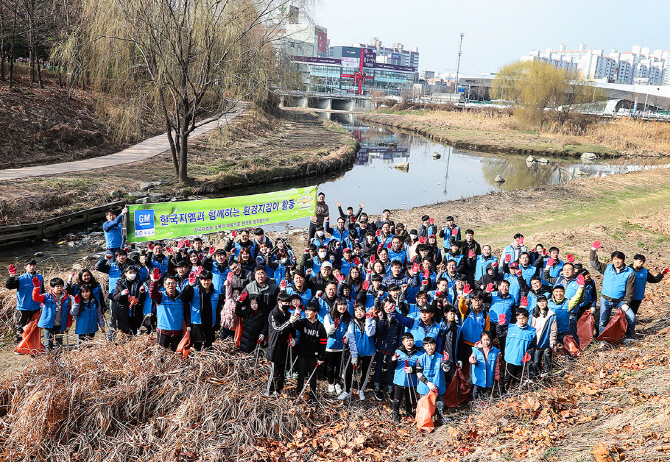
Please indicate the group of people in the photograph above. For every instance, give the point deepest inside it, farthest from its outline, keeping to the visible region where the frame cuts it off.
(367, 300)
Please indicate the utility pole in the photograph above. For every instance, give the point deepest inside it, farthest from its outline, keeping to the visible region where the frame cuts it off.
(458, 67)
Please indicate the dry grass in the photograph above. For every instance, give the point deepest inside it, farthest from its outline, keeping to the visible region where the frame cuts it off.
(632, 136)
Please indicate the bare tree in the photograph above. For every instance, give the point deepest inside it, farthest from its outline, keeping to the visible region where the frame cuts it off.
(182, 59)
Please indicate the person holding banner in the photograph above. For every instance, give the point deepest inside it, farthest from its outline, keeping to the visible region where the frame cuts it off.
(113, 229)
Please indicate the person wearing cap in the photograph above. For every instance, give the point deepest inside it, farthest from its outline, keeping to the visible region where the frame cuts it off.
(23, 285)
(512, 274)
(113, 229)
(618, 289)
(450, 233)
(243, 243)
(513, 250)
(347, 261)
(543, 320)
(423, 327)
(427, 228)
(264, 288)
(482, 261)
(642, 277)
(205, 305)
(322, 277)
(129, 298)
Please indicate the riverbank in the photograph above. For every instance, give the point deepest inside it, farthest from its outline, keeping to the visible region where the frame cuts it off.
(495, 131)
(253, 149)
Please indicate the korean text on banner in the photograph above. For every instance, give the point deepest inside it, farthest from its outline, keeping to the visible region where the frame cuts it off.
(171, 220)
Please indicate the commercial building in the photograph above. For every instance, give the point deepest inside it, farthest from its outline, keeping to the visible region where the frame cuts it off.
(354, 70)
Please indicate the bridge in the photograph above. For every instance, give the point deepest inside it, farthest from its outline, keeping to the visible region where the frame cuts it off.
(324, 101)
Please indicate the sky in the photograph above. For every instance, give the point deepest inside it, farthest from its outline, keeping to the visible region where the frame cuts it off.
(496, 32)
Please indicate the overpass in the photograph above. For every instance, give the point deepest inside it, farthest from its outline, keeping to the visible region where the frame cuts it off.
(324, 101)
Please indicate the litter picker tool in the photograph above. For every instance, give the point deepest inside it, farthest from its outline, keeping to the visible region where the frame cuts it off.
(411, 385)
(526, 358)
(258, 349)
(307, 383)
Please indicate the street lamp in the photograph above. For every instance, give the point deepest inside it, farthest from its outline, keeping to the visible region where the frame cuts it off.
(458, 67)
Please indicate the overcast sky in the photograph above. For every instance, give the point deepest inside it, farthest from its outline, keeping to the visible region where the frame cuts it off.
(496, 32)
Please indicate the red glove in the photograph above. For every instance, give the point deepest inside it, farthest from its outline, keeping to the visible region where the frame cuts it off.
(366, 285)
(212, 249)
(319, 293)
(415, 268)
(109, 256)
(454, 232)
(133, 300)
(422, 240)
(526, 358)
(424, 282)
(337, 322)
(353, 219)
(471, 254)
(198, 270)
(36, 281)
(445, 356)
(571, 258)
(494, 265)
(489, 287)
(368, 315)
(544, 252)
(378, 232)
(372, 258)
(143, 288)
(580, 280)
(12, 270)
(550, 262)
(306, 251)
(243, 296)
(230, 276)
(392, 308)
(467, 290)
(191, 279)
(156, 274)
(666, 270)
(396, 358)
(432, 221)
(77, 299)
(524, 302)
(502, 318)
(357, 261)
(388, 246)
(234, 234)
(340, 277)
(508, 258)
(290, 337)
(151, 246)
(282, 285)
(187, 243)
(438, 294)
(521, 239)
(180, 244)
(168, 249)
(596, 245)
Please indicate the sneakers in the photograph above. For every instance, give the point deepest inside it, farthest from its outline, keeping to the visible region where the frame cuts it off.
(396, 416)
(331, 388)
(361, 395)
(270, 394)
(344, 395)
(379, 395)
(628, 341)
(602, 345)
(338, 388)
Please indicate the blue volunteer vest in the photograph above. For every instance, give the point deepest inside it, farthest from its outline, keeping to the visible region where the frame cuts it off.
(196, 317)
(614, 284)
(433, 371)
(170, 313)
(483, 373)
(473, 326)
(518, 341)
(562, 315)
(24, 294)
(640, 283)
(402, 378)
(87, 319)
(334, 341)
(499, 306)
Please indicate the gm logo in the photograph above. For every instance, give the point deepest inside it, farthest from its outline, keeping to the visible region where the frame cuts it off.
(144, 223)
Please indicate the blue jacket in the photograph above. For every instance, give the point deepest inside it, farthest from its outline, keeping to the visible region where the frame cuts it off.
(113, 270)
(519, 341)
(219, 276)
(562, 314)
(431, 367)
(47, 318)
(514, 287)
(361, 342)
(401, 256)
(400, 377)
(483, 372)
(24, 291)
(420, 330)
(473, 325)
(306, 295)
(640, 283)
(169, 312)
(113, 233)
(89, 316)
(500, 305)
(614, 284)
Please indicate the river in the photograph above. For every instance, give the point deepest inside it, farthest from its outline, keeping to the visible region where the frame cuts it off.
(455, 174)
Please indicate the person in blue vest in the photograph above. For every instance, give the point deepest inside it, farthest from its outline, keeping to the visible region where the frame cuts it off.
(114, 269)
(552, 265)
(129, 299)
(425, 326)
(482, 261)
(301, 287)
(475, 320)
(217, 264)
(567, 278)
(404, 377)
(450, 233)
(340, 233)
(484, 368)
(171, 311)
(113, 229)
(514, 250)
(618, 289)
(156, 258)
(312, 264)
(546, 335)
(360, 341)
(448, 272)
(56, 305)
(501, 311)
(453, 253)
(320, 238)
(642, 277)
(88, 313)
(533, 290)
(326, 299)
(387, 340)
(384, 235)
(528, 269)
(259, 239)
(513, 276)
(336, 324)
(430, 368)
(566, 309)
(366, 297)
(520, 340)
(385, 219)
(205, 305)
(427, 227)
(25, 304)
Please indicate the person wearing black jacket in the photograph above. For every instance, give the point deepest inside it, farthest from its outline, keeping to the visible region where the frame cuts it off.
(312, 346)
(387, 339)
(368, 244)
(129, 296)
(450, 340)
(492, 276)
(205, 305)
(254, 324)
(279, 330)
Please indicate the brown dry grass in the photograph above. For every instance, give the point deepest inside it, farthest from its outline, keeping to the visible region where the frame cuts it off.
(632, 136)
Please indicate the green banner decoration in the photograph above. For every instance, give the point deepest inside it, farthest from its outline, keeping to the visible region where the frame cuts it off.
(171, 220)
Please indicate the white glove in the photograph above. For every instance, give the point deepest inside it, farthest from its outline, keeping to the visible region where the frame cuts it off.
(124, 292)
(625, 308)
(294, 318)
(431, 386)
(188, 329)
(593, 310)
(354, 360)
(261, 337)
(408, 369)
(292, 342)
